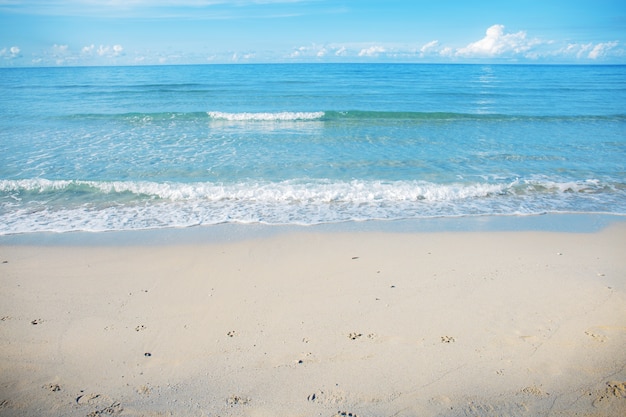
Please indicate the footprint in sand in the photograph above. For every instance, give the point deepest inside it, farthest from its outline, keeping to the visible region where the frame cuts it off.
(440, 400)
(345, 414)
(615, 390)
(596, 335)
(357, 335)
(53, 387)
(500, 409)
(144, 390)
(605, 333)
(103, 405)
(237, 400)
(324, 397)
(114, 409)
(534, 391)
(85, 399)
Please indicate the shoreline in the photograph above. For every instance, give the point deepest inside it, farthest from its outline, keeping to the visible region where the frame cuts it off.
(229, 232)
(316, 322)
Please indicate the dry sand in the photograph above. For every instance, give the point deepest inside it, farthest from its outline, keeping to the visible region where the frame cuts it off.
(318, 324)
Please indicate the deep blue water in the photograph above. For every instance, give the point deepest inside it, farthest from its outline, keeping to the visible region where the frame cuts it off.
(123, 148)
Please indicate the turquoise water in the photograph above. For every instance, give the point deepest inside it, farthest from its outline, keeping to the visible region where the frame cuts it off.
(127, 148)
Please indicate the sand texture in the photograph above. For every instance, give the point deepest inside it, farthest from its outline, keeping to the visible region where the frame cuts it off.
(318, 324)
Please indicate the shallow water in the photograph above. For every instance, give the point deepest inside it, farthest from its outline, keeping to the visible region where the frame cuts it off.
(130, 148)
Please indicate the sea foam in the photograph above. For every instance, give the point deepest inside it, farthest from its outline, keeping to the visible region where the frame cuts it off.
(266, 116)
(38, 205)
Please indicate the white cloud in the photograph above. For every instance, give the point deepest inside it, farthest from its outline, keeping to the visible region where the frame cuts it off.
(601, 49)
(497, 43)
(430, 46)
(341, 51)
(106, 50)
(298, 52)
(446, 52)
(88, 50)
(589, 50)
(238, 57)
(372, 51)
(60, 49)
(312, 51)
(10, 53)
(61, 54)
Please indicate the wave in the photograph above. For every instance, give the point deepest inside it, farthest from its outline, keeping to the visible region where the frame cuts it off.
(266, 116)
(299, 191)
(36, 205)
(336, 115)
(325, 191)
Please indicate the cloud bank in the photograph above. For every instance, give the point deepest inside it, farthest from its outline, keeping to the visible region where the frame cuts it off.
(496, 45)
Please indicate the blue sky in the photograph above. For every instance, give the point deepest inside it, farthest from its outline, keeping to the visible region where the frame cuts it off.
(144, 32)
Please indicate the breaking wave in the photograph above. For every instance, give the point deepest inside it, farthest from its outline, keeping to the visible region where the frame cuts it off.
(36, 205)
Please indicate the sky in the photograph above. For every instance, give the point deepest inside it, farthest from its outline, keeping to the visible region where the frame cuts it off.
(153, 32)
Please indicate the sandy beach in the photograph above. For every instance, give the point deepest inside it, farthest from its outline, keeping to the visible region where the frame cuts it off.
(310, 323)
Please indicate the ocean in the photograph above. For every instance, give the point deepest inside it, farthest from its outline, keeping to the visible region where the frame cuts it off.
(131, 148)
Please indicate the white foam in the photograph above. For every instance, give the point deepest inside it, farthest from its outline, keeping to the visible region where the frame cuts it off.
(280, 116)
(36, 205)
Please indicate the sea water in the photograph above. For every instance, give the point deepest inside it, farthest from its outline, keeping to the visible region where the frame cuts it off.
(129, 148)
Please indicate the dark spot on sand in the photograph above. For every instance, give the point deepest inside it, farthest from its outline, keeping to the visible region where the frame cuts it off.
(53, 387)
